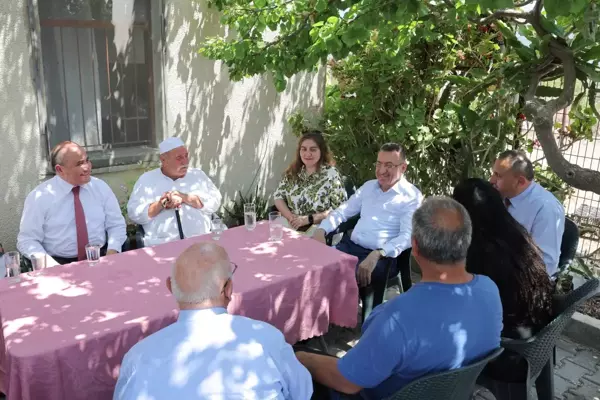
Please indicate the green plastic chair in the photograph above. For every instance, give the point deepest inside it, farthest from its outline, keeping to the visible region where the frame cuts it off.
(458, 384)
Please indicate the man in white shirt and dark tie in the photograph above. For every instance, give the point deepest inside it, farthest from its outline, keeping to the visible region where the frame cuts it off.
(208, 353)
(538, 210)
(65, 213)
(386, 206)
(174, 201)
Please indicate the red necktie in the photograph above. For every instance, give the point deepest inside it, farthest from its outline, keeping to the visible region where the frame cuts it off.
(80, 225)
(507, 202)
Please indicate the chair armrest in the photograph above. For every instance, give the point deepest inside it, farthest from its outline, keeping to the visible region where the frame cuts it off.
(139, 237)
(343, 228)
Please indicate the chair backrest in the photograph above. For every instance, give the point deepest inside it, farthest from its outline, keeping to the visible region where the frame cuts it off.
(538, 349)
(457, 384)
(568, 245)
(349, 186)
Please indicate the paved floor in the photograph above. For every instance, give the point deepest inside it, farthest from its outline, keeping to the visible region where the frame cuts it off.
(577, 373)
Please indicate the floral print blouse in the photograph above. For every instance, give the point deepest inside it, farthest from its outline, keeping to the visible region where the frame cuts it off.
(309, 194)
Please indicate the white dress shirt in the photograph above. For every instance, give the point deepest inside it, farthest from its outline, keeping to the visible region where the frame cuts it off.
(540, 212)
(385, 217)
(209, 354)
(48, 220)
(163, 227)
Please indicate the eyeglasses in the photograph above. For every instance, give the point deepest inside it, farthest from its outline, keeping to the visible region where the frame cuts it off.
(234, 265)
(387, 166)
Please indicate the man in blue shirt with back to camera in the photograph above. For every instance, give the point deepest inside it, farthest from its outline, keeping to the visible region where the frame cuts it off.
(449, 320)
(538, 210)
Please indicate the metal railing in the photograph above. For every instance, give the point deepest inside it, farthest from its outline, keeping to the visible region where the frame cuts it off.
(581, 206)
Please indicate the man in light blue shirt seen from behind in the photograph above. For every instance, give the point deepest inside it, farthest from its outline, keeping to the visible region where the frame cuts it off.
(208, 353)
(386, 206)
(538, 210)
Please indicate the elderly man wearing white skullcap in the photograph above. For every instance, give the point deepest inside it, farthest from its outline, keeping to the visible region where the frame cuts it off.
(173, 202)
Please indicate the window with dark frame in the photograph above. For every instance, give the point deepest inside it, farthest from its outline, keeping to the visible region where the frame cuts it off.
(94, 96)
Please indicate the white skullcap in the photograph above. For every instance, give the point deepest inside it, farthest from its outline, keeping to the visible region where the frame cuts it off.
(170, 144)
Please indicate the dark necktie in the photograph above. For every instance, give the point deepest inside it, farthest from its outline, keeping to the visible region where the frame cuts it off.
(507, 202)
(80, 225)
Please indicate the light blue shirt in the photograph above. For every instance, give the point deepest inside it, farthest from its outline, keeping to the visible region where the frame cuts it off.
(209, 354)
(542, 215)
(385, 217)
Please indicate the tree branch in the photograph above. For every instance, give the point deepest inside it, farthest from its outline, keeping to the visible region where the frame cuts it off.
(565, 55)
(572, 174)
(504, 13)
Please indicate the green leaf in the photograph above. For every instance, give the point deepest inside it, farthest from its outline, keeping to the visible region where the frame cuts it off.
(592, 54)
(458, 80)
(525, 54)
(321, 5)
(260, 3)
(554, 8)
(590, 71)
(550, 26)
(578, 6)
(495, 4)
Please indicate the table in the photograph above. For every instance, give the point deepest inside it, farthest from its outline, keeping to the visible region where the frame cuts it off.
(65, 332)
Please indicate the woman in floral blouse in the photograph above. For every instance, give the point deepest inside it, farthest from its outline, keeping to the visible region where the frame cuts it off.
(311, 186)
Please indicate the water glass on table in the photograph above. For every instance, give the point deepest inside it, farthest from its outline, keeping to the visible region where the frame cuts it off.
(217, 228)
(275, 226)
(92, 251)
(250, 216)
(12, 261)
(38, 263)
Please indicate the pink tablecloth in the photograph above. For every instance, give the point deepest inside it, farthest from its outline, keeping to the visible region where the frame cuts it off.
(66, 332)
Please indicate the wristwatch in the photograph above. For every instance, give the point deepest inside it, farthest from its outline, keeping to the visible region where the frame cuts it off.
(382, 252)
(311, 219)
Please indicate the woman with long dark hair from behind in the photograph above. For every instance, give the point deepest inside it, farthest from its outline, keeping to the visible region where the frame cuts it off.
(503, 250)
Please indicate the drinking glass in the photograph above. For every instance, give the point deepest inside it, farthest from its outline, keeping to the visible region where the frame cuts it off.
(217, 228)
(92, 251)
(38, 262)
(12, 260)
(250, 216)
(275, 226)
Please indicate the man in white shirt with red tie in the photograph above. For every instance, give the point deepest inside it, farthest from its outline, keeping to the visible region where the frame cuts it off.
(65, 213)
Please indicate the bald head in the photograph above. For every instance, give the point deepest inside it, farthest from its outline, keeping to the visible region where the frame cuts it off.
(70, 162)
(442, 230)
(200, 273)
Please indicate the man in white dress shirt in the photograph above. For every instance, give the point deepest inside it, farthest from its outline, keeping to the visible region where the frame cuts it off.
(208, 353)
(174, 201)
(65, 213)
(386, 206)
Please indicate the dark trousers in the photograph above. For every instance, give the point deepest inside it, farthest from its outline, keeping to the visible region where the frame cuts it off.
(372, 295)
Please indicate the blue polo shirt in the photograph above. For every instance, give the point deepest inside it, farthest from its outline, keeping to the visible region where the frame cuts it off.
(431, 328)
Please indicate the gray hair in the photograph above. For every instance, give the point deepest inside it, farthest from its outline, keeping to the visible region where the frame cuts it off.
(442, 229)
(520, 164)
(211, 287)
